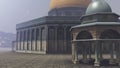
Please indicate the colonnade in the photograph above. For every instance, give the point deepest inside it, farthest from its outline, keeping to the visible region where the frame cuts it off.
(31, 40)
(58, 39)
(45, 39)
(114, 52)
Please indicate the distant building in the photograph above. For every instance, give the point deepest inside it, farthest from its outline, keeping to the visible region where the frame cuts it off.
(51, 34)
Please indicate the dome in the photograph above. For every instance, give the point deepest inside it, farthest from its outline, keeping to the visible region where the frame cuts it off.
(98, 6)
(69, 3)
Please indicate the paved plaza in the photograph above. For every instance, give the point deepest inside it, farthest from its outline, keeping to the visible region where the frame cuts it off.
(19, 60)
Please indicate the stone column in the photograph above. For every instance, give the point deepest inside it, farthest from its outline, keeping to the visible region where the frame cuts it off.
(96, 63)
(74, 53)
(112, 51)
(118, 52)
(22, 39)
(47, 32)
(38, 40)
(65, 39)
(16, 46)
(20, 36)
(18, 41)
(90, 46)
(100, 50)
(84, 53)
(34, 40)
(117, 49)
(26, 40)
(30, 41)
(56, 40)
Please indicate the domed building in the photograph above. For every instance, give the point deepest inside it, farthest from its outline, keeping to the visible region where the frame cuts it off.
(68, 7)
(50, 34)
(97, 38)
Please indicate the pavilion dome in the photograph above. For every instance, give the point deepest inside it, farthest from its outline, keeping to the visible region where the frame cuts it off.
(98, 6)
(68, 3)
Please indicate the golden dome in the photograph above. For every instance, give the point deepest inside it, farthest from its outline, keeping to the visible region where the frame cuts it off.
(69, 3)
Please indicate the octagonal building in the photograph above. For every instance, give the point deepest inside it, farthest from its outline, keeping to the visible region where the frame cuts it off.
(97, 36)
(50, 34)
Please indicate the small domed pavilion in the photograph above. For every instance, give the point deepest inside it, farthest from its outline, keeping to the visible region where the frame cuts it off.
(97, 37)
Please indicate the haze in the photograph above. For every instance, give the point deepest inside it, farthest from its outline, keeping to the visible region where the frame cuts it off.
(13, 12)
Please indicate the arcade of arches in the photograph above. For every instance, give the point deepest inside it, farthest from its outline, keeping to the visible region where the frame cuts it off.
(95, 45)
(44, 39)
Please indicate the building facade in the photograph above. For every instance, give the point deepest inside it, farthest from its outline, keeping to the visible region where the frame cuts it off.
(50, 34)
(45, 35)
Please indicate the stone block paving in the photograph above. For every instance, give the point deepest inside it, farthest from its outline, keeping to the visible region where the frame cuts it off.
(19, 60)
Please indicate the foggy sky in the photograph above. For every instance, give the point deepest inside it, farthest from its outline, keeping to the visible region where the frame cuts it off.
(13, 12)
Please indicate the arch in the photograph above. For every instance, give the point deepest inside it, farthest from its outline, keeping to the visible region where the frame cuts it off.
(84, 47)
(84, 35)
(108, 46)
(110, 34)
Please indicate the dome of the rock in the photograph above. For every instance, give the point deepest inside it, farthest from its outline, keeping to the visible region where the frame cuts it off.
(69, 3)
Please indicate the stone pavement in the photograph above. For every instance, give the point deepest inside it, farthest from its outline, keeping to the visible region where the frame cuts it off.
(19, 60)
